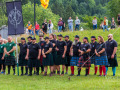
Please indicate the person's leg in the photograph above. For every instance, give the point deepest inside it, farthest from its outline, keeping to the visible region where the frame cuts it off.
(63, 67)
(107, 28)
(42, 68)
(96, 68)
(45, 74)
(103, 28)
(96, 26)
(26, 68)
(75, 27)
(106, 70)
(37, 69)
(8, 69)
(30, 71)
(4, 68)
(21, 70)
(114, 70)
(69, 27)
(93, 27)
(66, 69)
(72, 27)
(87, 69)
(0, 67)
(51, 70)
(58, 28)
(58, 69)
(78, 27)
(72, 70)
(13, 69)
(100, 70)
(79, 70)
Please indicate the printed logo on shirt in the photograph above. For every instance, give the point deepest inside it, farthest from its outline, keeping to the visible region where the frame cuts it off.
(10, 44)
(1, 46)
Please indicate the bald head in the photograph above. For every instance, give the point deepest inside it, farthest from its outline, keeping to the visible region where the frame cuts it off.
(110, 37)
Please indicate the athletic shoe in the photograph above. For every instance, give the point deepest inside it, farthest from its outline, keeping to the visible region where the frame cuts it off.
(66, 73)
(14, 74)
(71, 74)
(26, 73)
(30, 75)
(21, 74)
(113, 74)
(2, 72)
(78, 75)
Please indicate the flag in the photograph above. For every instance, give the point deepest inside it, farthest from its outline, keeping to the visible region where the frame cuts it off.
(15, 19)
(44, 3)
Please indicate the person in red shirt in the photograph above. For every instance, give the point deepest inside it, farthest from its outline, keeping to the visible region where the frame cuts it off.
(37, 28)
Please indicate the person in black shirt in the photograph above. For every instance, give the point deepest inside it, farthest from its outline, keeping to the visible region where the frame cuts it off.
(63, 27)
(29, 41)
(33, 54)
(47, 56)
(68, 56)
(92, 53)
(44, 26)
(22, 55)
(61, 49)
(101, 56)
(54, 53)
(111, 49)
(41, 44)
(74, 53)
(84, 61)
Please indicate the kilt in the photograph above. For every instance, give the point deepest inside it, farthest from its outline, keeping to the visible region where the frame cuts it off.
(74, 61)
(60, 60)
(41, 59)
(102, 60)
(68, 57)
(84, 62)
(113, 62)
(92, 59)
(1, 61)
(22, 60)
(10, 60)
(54, 54)
(33, 63)
(48, 61)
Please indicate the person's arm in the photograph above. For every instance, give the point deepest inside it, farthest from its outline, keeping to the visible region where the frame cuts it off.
(50, 50)
(13, 49)
(39, 53)
(3, 56)
(27, 54)
(65, 49)
(71, 50)
(103, 49)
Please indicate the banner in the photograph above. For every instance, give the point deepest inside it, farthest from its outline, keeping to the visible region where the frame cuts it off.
(15, 19)
(44, 3)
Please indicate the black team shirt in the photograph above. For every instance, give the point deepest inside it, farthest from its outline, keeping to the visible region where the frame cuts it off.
(53, 42)
(75, 49)
(110, 45)
(47, 46)
(33, 51)
(99, 47)
(93, 46)
(69, 44)
(60, 45)
(29, 43)
(23, 48)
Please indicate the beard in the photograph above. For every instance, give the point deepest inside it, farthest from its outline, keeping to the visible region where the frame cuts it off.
(75, 42)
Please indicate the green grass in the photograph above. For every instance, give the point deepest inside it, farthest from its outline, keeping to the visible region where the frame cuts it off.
(91, 82)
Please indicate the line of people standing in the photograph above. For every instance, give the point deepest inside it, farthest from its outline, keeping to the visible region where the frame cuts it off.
(53, 53)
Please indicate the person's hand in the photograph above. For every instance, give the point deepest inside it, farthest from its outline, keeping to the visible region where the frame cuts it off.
(8, 53)
(57, 49)
(2, 58)
(82, 52)
(97, 54)
(26, 57)
(38, 57)
(63, 56)
(44, 56)
(112, 56)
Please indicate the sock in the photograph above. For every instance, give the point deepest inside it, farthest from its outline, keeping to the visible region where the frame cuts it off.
(13, 68)
(26, 68)
(54, 72)
(4, 67)
(37, 68)
(100, 70)
(88, 70)
(58, 72)
(30, 70)
(96, 68)
(72, 69)
(62, 72)
(114, 70)
(8, 69)
(104, 70)
(79, 70)
(42, 68)
(22, 70)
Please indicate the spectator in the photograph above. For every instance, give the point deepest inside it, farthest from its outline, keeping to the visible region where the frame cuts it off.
(101, 25)
(29, 27)
(77, 23)
(60, 24)
(94, 23)
(105, 26)
(118, 19)
(63, 27)
(44, 26)
(50, 26)
(70, 24)
(37, 28)
(113, 24)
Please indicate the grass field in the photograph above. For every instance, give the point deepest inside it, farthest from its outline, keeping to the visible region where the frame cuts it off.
(91, 82)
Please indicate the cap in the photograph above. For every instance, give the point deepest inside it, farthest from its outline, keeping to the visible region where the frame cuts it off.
(77, 36)
(22, 38)
(60, 35)
(46, 38)
(93, 37)
(66, 36)
(30, 37)
(85, 38)
(33, 38)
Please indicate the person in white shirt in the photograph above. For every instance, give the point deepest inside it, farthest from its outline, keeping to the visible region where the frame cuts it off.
(77, 23)
(94, 23)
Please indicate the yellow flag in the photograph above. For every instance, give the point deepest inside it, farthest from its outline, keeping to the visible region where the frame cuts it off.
(44, 3)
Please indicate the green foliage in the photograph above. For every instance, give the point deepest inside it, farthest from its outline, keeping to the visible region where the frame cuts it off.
(41, 14)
